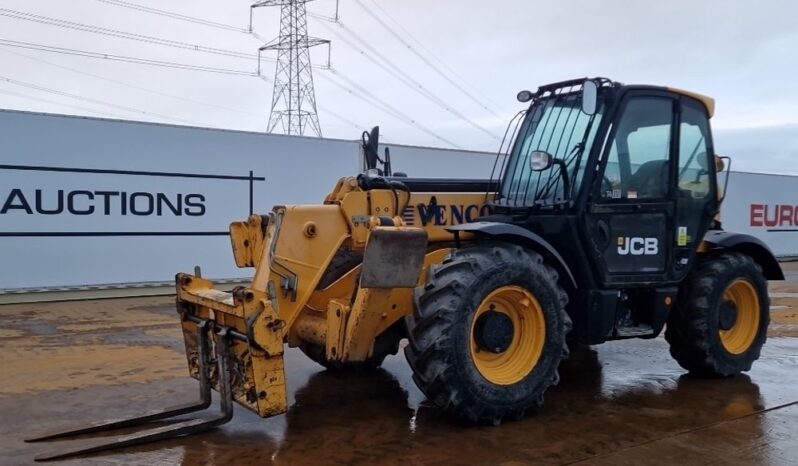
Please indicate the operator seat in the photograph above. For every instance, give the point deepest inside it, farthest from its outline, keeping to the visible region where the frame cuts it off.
(650, 180)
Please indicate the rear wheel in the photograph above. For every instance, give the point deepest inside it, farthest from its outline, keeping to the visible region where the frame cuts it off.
(488, 333)
(721, 320)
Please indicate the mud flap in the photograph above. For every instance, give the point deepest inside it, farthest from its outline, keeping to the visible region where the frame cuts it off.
(394, 257)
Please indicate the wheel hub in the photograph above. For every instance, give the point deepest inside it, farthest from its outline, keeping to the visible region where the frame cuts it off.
(494, 331)
(727, 315)
(508, 333)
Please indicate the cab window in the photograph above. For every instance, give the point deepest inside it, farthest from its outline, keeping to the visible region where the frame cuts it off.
(637, 159)
(696, 159)
(694, 153)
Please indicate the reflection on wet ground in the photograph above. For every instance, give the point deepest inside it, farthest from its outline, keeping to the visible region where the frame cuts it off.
(618, 403)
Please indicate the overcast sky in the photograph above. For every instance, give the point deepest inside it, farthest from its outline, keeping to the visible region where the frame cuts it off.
(743, 53)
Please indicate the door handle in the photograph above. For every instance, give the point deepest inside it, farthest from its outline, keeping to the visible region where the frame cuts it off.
(602, 234)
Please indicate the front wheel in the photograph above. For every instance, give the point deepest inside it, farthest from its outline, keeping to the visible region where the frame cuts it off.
(488, 333)
(721, 320)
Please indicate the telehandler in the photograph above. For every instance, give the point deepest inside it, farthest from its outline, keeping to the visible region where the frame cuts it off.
(599, 222)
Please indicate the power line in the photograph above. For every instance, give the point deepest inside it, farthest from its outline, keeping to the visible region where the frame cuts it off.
(435, 68)
(122, 34)
(416, 86)
(322, 17)
(146, 62)
(137, 37)
(379, 64)
(340, 117)
(373, 100)
(398, 73)
(40, 99)
(122, 58)
(169, 64)
(132, 86)
(400, 117)
(172, 15)
(94, 101)
(384, 106)
(431, 54)
(333, 114)
(201, 21)
(119, 116)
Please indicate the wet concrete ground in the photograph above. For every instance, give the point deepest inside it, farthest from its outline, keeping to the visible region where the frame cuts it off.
(621, 403)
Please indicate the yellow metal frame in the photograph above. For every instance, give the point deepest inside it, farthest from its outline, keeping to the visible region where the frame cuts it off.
(290, 249)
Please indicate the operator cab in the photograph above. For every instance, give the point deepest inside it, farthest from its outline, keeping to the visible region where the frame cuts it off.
(615, 177)
(619, 139)
(625, 165)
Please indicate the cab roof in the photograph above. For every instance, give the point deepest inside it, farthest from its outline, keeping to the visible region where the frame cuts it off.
(708, 102)
(575, 85)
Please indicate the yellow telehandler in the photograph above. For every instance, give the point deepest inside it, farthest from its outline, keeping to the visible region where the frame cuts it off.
(599, 222)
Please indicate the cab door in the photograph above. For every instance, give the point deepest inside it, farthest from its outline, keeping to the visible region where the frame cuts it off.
(630, 213)
(696, 184)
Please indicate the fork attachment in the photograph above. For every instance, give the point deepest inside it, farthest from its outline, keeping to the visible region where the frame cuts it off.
(179, 427)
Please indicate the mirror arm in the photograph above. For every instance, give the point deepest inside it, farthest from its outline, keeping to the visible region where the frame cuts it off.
(386, 165)
(566, 183)
(726, 180)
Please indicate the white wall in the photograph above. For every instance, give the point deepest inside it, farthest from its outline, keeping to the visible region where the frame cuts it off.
(296, 170)
(765, 206)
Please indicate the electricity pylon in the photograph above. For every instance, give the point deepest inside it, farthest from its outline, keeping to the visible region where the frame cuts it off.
(293, 98)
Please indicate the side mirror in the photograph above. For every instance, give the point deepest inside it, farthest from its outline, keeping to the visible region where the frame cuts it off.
(540, 160)
(589, 97)
(720, 165)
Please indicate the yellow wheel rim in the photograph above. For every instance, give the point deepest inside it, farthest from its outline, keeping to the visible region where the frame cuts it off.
(737, 339)
(528, 336)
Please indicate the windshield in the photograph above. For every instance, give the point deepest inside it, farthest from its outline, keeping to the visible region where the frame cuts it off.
(556, 125)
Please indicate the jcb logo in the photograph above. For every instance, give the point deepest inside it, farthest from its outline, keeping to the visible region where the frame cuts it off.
(637, 246)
